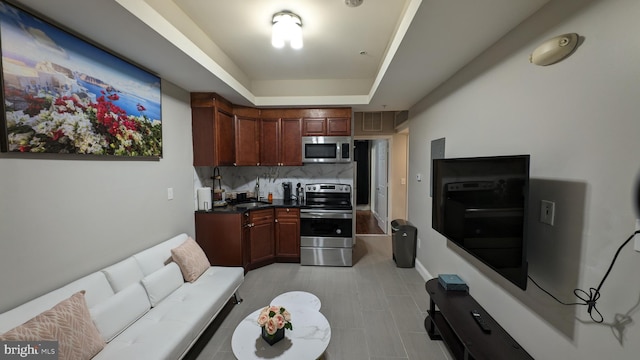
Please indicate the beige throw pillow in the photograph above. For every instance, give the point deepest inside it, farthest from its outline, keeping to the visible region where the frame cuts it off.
(191, 259)
(69, 322)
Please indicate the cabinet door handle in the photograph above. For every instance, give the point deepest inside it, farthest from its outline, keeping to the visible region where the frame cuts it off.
(288, 210)
(276, 220)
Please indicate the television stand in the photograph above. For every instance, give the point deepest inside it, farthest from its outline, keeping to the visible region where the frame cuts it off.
(454, 324)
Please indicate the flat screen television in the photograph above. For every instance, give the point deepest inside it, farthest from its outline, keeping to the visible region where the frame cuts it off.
(480, 204)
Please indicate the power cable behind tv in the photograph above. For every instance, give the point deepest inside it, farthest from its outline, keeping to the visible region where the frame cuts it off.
(589, 298)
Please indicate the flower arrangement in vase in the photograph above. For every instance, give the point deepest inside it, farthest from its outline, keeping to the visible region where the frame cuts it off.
(273, 320)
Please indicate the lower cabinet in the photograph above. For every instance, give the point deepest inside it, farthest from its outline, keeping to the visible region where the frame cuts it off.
(287, 234)
(261, 246)
(251, 239)
(221, 237)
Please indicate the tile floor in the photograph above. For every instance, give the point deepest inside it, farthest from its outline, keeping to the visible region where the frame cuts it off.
(376, 310)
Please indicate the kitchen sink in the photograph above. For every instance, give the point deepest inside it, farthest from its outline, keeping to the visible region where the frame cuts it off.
(252, 204)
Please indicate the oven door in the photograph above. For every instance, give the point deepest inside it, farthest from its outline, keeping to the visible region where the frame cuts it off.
(326, 238)
(326, 223)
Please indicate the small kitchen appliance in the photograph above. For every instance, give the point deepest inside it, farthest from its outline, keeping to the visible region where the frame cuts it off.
(286, 186)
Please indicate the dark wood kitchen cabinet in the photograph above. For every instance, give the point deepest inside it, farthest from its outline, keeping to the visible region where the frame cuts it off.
(247, 146)
(314, 126)
(327, 122)
(287, 234)
(261, 244)
(280, 138)
(339, 126)
(228, 135)
(222, 237)
(213, 130)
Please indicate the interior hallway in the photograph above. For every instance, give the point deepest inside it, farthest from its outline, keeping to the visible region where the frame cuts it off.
(366, 223)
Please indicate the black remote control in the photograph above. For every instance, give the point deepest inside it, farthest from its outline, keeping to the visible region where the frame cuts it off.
(483, 325)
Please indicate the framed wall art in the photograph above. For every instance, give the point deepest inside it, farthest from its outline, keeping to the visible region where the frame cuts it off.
(64, 95)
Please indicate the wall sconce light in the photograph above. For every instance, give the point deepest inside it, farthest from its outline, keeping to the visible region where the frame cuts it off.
(287, 27)
(554, 50)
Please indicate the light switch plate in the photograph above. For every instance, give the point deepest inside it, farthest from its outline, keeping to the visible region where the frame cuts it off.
(547, 212)
(169, 193)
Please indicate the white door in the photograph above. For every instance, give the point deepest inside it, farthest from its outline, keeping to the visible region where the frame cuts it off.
(381, 182)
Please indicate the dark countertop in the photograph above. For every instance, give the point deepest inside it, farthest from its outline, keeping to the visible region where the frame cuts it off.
(239, 208)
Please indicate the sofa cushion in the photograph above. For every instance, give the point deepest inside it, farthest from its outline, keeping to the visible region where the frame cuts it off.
(167, 331)
(123, 274)
(191, 259)
(154, 258)
(121, 310)
(162, 283)
(69, 322)
(95, 284)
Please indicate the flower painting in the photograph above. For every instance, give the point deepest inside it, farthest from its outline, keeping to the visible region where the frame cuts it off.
(64, 95)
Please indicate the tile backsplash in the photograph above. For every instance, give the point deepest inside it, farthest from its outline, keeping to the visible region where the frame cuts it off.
(243, 179)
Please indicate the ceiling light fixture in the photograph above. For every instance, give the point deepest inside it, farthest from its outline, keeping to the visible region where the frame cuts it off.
(287, 27)
(353, 3)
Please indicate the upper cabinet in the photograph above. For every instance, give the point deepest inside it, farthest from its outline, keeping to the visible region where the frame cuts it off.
(247, 122)
(280, 138)
(213, 130)
(327, 122)
(339, 126)
(227, 135)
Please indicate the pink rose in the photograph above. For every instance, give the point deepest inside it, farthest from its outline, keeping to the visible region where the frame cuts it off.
(275, 309)
(279, 320)
(287, 316)
(271, 326)
(262, 319)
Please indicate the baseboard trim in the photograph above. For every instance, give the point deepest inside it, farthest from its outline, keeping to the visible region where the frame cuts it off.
(423, 271)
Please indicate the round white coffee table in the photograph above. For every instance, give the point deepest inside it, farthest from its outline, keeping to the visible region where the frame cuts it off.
(308, 340)
(297, 299)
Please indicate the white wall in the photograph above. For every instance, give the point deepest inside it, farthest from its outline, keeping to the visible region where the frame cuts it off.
(62, 217)
(398, 171)
(579, 121)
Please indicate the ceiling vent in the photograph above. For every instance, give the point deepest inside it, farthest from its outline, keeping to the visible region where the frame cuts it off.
(400, 117)
(372, 121)
(353, 3)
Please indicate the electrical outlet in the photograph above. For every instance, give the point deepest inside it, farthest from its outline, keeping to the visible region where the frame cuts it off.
(169, 193)
(636, 246)
(547, 212)
(418, 177)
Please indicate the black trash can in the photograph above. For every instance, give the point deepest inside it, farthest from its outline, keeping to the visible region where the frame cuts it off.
(403, 242)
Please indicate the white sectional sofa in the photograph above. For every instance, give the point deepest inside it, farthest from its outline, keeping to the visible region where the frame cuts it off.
(142, 306)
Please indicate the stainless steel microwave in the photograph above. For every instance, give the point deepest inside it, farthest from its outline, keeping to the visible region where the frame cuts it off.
(326, 149)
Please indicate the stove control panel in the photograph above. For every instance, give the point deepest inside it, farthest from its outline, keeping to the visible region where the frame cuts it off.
(327, 188)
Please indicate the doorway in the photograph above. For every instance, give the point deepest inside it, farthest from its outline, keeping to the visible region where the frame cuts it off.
(366, 221)
(381, 168)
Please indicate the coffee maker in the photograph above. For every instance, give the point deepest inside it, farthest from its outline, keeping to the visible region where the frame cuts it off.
(286, 186)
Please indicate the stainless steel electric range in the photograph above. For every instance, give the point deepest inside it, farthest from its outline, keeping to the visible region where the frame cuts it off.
(326, 225)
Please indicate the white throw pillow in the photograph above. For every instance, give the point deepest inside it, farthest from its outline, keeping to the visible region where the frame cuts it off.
(162, 282)
(123, 274)
(119, 311)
